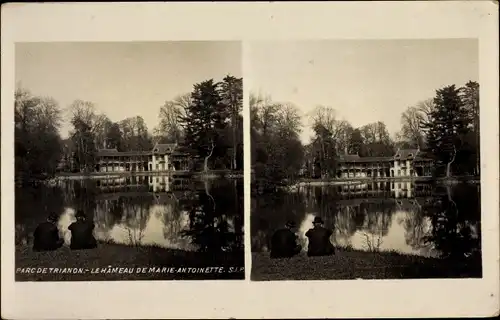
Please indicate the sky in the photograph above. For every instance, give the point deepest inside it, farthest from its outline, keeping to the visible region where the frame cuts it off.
(122, 79)
(363, 80)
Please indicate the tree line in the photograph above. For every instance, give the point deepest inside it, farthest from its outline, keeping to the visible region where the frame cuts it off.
(445, 127)
(207, 120)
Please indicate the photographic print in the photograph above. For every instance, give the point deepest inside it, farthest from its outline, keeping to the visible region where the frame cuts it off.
(365, 159)
(128, 161)
(257, 152)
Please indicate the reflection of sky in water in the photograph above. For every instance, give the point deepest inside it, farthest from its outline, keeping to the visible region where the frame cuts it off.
(393, 240)
(161, 228)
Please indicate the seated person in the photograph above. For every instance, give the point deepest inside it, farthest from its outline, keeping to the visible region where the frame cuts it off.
(82, 236)
(284, 242)
(46, 235)
(319, 239)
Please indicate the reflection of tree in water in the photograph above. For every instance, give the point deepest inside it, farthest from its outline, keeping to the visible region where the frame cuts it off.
(216, 218)
(32, 206)
(83, 197)
(350, 219)
(454, 214)
(130, 213)
(135, 217)
(270, 212)
(377, 223)
(168, 208)
(109, 213)
(416, 225)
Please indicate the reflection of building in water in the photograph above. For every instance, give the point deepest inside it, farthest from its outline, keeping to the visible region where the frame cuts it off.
(384, 189)
(118, 184)
(156, 183)
(405, 163)
(163, 157)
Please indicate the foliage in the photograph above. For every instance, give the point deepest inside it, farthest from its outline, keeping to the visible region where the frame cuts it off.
(278, 152)
(212, 123)
(38, 146)
(447, 127)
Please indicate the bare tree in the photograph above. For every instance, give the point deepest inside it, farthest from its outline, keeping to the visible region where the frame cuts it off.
(340, 130)
(411, 126)
(170, 128)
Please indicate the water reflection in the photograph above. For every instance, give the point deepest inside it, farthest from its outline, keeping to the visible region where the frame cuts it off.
(419, 219)
(174, 213)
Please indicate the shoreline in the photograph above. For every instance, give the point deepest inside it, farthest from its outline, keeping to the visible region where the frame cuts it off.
(109, 256)
(361, 180)
(349, 264)
(214, 174)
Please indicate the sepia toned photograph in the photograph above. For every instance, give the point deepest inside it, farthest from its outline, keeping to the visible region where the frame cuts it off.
(365, 159)
(250, 160)
(128, 161)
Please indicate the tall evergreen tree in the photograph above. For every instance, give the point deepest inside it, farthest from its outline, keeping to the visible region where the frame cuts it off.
(232, 97)
(447, 126)
(470, 98)
(204, 120)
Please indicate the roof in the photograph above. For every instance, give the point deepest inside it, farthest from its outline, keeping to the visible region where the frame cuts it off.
(114, 152)
(358, 159)
(349, 157)
(163, 148)
(401, 154)
(405, 154)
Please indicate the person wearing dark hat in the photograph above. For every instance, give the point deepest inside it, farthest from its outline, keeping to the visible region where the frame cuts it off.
(284, 242)
(319, 239)
(82, 236)
(46, 235)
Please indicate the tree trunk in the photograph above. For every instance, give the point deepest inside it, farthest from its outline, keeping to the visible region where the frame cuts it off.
(234, 143)
(448, 166)
(207, 157)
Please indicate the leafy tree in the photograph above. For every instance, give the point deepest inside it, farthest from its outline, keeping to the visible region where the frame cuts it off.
(114, 137)
(277, 151)
(135, 134)
(86, 127)
(339, 130)
(324, 150)
(38, 146)
(356, 142)
(84, 141)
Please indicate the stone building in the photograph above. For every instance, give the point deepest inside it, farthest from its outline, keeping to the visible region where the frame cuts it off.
(405, 163)
(162, 158)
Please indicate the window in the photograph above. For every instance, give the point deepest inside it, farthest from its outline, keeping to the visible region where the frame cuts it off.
(157, 166)
(399, 172)
(410, 155)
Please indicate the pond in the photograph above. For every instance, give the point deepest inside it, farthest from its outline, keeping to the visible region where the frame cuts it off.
(423, 219)
(161, 211)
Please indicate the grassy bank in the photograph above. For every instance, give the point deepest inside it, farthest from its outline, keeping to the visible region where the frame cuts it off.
(122, 256)
(354, 264)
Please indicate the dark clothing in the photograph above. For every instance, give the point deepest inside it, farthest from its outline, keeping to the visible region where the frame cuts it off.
(46, 237)
(284, 244)
(82, 236)
(319, 242)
